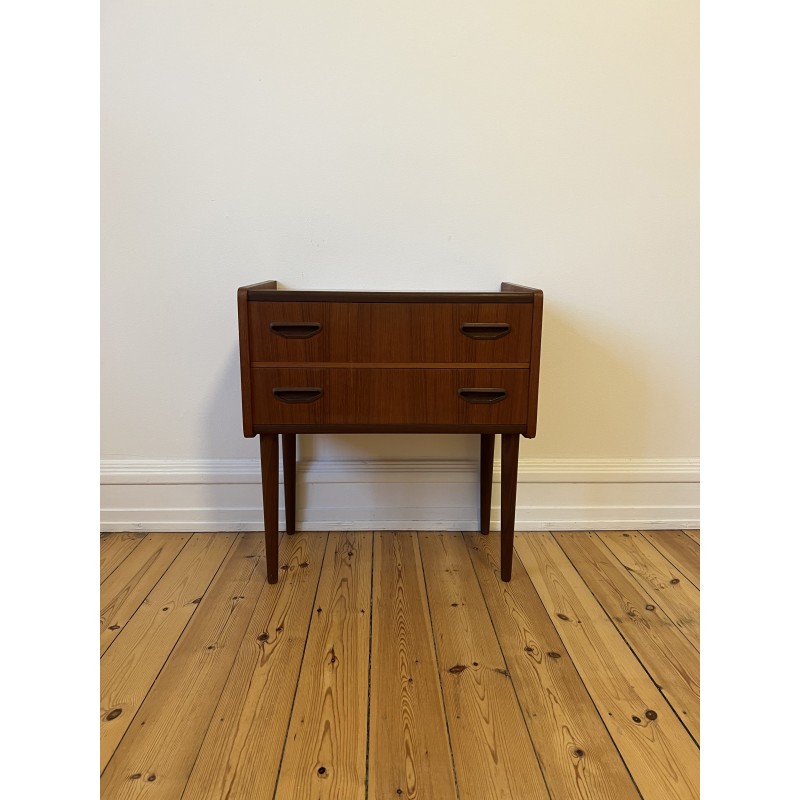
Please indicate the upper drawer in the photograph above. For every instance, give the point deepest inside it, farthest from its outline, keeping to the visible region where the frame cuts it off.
(460, 333)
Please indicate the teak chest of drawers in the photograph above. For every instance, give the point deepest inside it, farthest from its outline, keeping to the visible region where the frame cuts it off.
(389, 362)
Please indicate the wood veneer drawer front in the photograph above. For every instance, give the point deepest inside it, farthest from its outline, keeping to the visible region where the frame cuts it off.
(464, 333)
(365, 396)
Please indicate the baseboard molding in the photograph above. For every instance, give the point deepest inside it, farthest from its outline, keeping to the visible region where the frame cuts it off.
(552, 494)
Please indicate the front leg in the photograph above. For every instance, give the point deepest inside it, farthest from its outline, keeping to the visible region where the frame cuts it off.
(508, 501)
(487, 468)
(269, 491)
(289, 444)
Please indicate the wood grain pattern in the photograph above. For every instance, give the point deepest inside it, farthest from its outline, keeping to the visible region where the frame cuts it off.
(486, 479)
(129, 668)
(389, 332)
(660, 754)
(315, 427)
(676, 596)
(289, 460)
(385, 397)
(673, 664)
(492, 751)
(422, 674)
(578, 757)
(678, 548)
(115, 549)
(131, 582)
(509, 459)
(257, 294)
(171, 723)
(241, 752)
(535, 370)
(536, 350)
(384, 365)
(268, 444)
(694, 535)
(326, 745)
(244, 362)
(409, 745)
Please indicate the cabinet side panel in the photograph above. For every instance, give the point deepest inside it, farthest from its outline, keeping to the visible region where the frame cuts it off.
(536, 350)
(244, 362)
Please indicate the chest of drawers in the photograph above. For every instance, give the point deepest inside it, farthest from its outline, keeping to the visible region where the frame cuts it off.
(389, 362)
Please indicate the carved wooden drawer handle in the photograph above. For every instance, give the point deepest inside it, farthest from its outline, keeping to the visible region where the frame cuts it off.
(297, 394)
(485, 330)
(482, 395)
(295, 330)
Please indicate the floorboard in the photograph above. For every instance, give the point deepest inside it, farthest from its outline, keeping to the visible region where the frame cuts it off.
(694, 535)
(326, 745)
(657, 749)
(674, 593)
(165, 736)
(578, 756)
(132, 581)
(409, 742)
(672, 663)
(114, 549)
(241, 752)
(397, 664)
(492, 750)
(132, 663)
(678, 548)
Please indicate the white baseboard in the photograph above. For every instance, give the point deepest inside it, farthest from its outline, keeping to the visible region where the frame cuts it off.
(552, 494)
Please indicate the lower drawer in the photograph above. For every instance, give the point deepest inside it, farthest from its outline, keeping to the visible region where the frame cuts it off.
(378, 396)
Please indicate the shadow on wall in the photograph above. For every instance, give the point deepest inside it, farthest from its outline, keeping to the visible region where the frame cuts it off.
(223, 424)
(595, 399)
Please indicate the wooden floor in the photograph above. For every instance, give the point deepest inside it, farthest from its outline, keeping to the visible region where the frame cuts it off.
(398, 665)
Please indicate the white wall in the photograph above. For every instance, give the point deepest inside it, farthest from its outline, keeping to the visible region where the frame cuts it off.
(416, 145)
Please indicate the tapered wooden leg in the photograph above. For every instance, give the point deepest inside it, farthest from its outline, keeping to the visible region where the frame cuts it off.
(487, 468)
(508, 501)
(269, 491)
(289, 446)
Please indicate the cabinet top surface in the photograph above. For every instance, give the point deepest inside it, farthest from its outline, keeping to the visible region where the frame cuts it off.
(268, 291)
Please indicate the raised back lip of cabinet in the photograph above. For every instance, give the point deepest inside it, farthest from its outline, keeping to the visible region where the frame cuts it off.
(267, 291)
